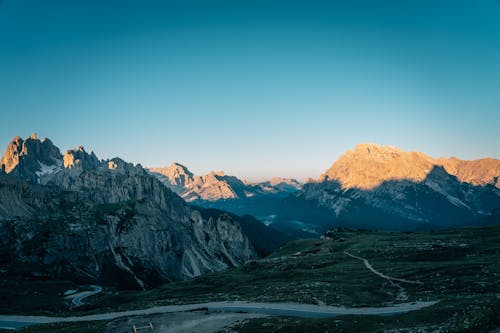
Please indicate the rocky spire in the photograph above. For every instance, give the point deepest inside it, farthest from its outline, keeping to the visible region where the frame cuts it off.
(12, 154)
(30, 158)
(80, 158)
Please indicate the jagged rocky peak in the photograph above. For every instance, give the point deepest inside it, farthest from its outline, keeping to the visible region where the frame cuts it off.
(217, 185)
(216, 175)
(279, 180)
(477, 172)
(411, 186)
(211, 187)
(11, 156)
(280, 185)
(118, 165)
(31, 158)
(176, 172)
(80, 158)
(369, 165)
(176, 176)
(289, 183)
(122, 221)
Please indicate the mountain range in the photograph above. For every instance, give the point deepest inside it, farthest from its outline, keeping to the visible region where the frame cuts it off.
(371, 186)
(216, 186)
(76, 217)
(404, 190)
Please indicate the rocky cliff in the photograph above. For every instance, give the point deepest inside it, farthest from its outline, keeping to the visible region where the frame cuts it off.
(31, 159)
(411, 186)
(216, 186)
(77, 217)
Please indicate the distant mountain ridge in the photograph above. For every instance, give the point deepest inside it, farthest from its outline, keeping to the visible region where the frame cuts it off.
(410, 186)
(368, 165)
(371, 186)
(216, 186)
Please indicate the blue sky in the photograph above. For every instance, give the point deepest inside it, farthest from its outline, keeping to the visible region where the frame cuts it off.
(255, 88)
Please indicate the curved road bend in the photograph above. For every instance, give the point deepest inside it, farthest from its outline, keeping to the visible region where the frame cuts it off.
(77, 299)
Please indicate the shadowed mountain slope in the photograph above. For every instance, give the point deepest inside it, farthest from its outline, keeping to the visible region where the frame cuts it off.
(80, 218)
(382, 187)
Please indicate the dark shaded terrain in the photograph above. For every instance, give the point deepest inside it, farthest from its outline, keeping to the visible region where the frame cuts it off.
(459, 268)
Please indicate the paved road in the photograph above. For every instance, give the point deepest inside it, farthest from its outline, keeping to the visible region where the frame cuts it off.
(77, 299)
(283, 309)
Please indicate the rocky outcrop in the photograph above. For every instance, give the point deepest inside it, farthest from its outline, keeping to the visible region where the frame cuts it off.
(176, 176)
(79, 158)
(411, 186)
(31, 159)
(216, 186)
(478, 172)
(108, 221)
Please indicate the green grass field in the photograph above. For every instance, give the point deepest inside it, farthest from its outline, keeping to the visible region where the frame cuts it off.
(460, 268)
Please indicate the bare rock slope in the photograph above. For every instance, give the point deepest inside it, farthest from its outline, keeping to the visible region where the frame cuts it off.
(374, 180)
(216, 186)
(77, 217)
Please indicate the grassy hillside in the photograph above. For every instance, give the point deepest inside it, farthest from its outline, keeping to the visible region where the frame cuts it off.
(460, 268)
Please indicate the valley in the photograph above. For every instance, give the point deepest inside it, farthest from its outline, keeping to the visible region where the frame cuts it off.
(371, 186)
(92, 245)
(249, 166)
(454, 272)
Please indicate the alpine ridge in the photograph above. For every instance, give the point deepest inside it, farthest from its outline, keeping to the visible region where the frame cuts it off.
(371, 186)
(105, 221)
(406, 189)
(216, 186)
(369, 165)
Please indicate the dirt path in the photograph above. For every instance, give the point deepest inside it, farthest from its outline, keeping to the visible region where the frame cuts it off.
(382, 275)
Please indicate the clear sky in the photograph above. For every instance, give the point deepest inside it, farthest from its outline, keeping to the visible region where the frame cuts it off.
(254, 88)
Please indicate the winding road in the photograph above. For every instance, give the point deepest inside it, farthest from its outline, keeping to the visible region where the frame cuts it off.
(77, 299)
(278, 309)
(282, 309)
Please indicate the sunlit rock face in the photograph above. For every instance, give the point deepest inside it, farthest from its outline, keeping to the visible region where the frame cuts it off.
(407, 185)
(31, 159)
(106, 221)
(176, 176)
(369, 165)
(216, 185)
(81, 159)
(477, 172)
